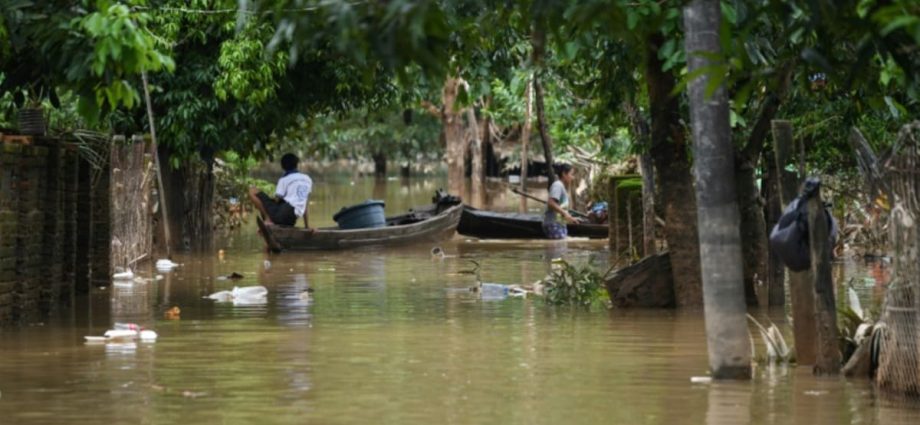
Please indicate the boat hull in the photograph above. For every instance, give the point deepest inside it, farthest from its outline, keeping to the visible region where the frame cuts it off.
(494, 225)
(421, 224)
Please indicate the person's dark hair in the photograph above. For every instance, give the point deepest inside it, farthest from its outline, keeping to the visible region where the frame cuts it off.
(289, 162)
(561, 168)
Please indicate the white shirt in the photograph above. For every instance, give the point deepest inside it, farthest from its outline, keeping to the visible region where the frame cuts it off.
(295, 189)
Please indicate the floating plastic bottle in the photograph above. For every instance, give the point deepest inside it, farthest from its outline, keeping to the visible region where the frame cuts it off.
(493, 291)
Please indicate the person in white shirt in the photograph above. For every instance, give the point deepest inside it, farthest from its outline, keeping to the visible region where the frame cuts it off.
(292, 194)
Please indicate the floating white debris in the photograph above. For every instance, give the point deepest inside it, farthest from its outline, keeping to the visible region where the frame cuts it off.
(245, 295)
(165, 265)
(125, 275)
(222, 296)
(148, 335)
(120, 334)
(700, 379)
(123, 334)
(267, 264)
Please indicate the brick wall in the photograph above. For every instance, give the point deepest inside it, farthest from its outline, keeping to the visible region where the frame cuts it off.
(45, 209)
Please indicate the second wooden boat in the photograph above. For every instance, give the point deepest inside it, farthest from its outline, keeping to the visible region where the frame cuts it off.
(495, 225)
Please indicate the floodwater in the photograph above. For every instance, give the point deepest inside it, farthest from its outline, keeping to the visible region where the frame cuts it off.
(393, 336)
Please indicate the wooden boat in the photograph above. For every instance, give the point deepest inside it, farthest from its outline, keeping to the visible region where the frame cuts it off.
(429, 223)
(495, 225)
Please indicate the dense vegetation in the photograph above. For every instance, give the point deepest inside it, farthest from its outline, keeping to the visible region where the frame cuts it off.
(403, 78)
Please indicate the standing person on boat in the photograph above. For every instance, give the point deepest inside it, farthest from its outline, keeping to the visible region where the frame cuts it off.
(557, 214)
(291, 195)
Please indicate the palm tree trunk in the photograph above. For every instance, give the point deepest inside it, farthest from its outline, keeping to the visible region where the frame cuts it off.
(717, 207)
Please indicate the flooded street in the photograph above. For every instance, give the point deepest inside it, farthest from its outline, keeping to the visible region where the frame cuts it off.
(392, 336)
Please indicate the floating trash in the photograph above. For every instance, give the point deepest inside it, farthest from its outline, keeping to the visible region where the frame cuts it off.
(166, 265)
(241, 296)
(124, 333)
(172, 314)
(125, 275)
(700, 379)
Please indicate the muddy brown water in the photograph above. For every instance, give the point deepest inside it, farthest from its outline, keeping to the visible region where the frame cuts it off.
(393, 336)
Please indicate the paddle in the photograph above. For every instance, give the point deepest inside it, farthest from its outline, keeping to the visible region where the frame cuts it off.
(529, 196)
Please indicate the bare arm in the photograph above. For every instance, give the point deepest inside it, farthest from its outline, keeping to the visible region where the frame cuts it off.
(554, 205)
(306, 217)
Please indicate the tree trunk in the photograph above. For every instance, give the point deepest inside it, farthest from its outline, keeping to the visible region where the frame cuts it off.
(538, 43)
(750, 203)
(190, 196)
(544, 134)
(380, 164)
(452, 132)
(199, 201)
(753, 229)
(669, 155)
(477, 176)
(525, 135)
(717, 204)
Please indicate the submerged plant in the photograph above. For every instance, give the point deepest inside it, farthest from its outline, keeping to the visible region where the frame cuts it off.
(777, 349)
(574, 285)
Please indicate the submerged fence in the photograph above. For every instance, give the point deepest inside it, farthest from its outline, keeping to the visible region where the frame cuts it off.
(899, 326)
(70, 209)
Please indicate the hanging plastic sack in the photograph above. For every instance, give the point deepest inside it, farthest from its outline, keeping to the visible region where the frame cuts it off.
(789, 237)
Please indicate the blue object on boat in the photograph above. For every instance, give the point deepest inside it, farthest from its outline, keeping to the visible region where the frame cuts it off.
(367, 214)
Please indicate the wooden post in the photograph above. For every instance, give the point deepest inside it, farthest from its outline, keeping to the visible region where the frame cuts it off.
(612, 218)
(828, 351)
(800, 289)
(648, 205)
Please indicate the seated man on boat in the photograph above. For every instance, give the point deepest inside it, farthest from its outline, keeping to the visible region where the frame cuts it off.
(557, 214)
(291, 195)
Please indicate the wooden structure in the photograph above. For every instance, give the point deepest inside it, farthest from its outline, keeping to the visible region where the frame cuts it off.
(624, 216)
(430, 223)
(495, 225)
(645, 284)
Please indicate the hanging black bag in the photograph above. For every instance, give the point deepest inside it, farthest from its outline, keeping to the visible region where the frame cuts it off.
(789, 237)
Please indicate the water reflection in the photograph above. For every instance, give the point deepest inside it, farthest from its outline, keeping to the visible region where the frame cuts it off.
(729, 403)
(394, 336)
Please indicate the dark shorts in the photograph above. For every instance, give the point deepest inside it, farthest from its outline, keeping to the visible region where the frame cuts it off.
(280, 212)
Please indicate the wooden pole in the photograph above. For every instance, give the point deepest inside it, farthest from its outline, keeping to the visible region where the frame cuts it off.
(575, 213)
(613, 218)
(828, 351)
(800, 289)
(161, 190)
(648, 205)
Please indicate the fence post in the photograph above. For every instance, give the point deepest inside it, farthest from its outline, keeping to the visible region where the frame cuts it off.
(800, 289)
(828, 351)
